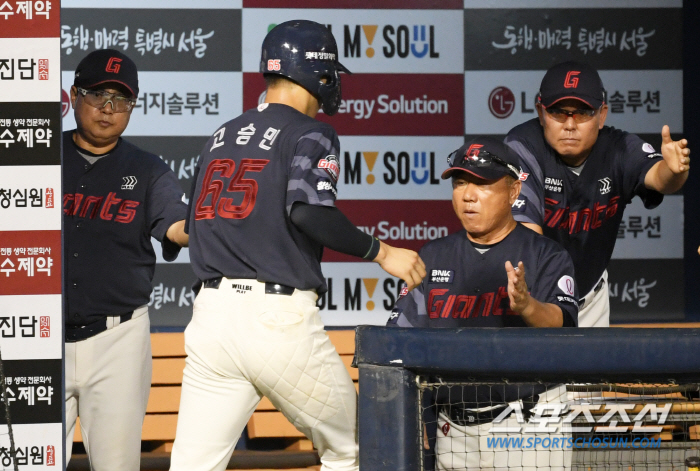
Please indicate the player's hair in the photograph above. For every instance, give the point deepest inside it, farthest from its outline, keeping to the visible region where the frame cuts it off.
(272, 80)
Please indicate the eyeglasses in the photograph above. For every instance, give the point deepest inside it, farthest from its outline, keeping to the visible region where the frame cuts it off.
(580, 116)
(99, 99)
(482, 160)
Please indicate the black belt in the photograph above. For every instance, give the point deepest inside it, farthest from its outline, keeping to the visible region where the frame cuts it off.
(466, 417)
(595, 290)
(76, 333)
(270, 288)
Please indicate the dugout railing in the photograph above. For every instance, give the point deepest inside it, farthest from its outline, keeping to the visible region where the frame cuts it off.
(392, 361)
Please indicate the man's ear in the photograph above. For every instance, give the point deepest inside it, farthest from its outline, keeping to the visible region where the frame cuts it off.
(73, 96)
(540, 113)
(603, 116)
(515, 188)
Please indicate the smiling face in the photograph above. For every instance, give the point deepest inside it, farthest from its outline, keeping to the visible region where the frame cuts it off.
(571, 140)
(98, 128)
(484, 206)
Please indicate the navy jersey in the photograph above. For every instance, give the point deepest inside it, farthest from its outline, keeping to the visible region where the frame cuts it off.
(583, 212)
(249, 175)
(465, 288)
(111, 209)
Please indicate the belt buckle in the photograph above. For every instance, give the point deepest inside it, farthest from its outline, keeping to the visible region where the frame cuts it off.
(212, 282)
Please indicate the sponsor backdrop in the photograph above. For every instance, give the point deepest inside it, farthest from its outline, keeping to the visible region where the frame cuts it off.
(427, 74)
(31, 334)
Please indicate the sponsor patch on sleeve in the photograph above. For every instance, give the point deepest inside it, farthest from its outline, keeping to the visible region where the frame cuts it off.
(330, 164)
(394, 317)
(520, 204)
(648, 148)
(325, 185)
(441, 276)
(567, 299)
(566, 284)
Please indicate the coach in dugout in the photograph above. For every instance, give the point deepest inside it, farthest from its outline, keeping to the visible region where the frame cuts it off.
(579, 175)
(494, 273)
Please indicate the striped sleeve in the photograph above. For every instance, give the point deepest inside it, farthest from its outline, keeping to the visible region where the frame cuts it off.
(314, 171)
(529, 207)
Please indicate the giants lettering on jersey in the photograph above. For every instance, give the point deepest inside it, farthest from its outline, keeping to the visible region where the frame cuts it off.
(462, 306)
(581, 220)
(91, 206)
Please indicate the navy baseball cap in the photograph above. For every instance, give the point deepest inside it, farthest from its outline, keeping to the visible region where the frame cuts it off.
(484, 157)
(575, 80)
(107, 66)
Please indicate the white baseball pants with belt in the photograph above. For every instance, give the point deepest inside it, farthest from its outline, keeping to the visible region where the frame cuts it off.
(108, 380)
(243, 344)
(594, 308)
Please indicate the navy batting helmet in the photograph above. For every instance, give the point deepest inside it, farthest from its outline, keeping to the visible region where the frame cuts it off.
(305, 52)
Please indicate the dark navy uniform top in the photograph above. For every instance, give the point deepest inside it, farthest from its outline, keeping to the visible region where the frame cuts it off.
(111, 209)
(465, 288)
(249, 175)
(582, 212)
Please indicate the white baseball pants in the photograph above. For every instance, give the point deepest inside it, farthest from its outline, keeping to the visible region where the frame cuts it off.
(243, 344)
(108, 379)
(595, 309)
(466, 448)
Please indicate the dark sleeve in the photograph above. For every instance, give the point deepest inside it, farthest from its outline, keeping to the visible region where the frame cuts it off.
(635, 158)
(165, 207)
(529, 207)
(331, 228)
(409, 308)
(554, 282)
(193, 188)
(314, 170)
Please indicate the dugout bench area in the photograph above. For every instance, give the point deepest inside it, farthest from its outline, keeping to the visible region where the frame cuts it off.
(271, 441)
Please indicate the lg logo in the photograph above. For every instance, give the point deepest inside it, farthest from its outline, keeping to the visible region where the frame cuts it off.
(113, 65)
(501, 102)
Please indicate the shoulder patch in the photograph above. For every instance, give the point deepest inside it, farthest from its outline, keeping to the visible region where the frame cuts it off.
(326, 185)
(330, 164)
(566, 284)
(648, 148)
(263, 106)
(441, 276)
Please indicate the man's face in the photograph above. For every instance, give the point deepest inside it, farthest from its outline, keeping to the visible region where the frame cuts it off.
(98, 126)
(572, 140)
(483, 206)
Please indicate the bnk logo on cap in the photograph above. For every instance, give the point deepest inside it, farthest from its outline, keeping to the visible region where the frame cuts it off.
(113, 65)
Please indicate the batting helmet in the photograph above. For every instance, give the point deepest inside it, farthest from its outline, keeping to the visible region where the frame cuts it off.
(305, 52)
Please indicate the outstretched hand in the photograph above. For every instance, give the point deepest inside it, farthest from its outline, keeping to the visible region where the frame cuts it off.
(517, 287)
(676, 153)
(402, 263)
